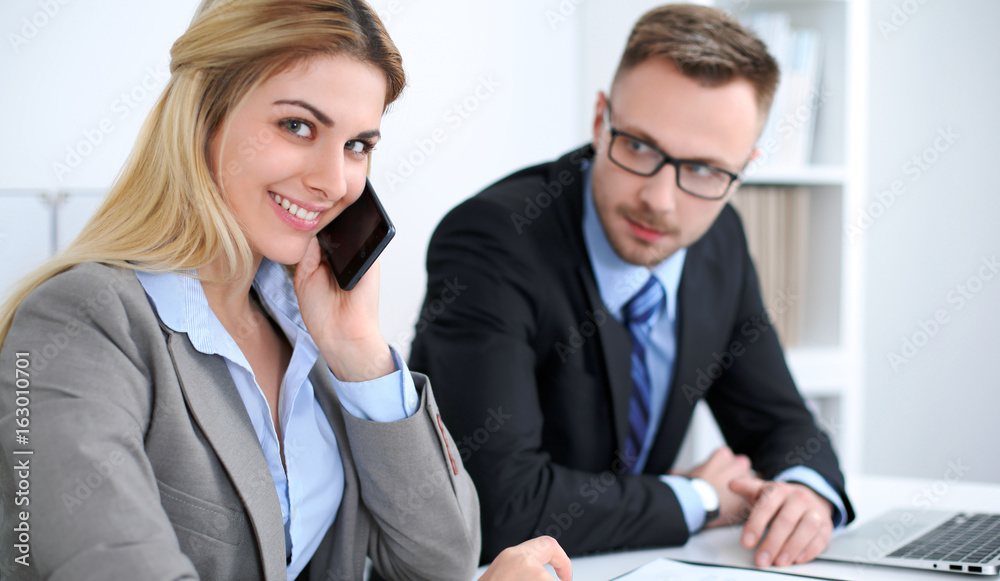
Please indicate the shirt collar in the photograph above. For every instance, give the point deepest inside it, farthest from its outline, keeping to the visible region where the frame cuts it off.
(276, 292)
(617, 280)
(181, 304)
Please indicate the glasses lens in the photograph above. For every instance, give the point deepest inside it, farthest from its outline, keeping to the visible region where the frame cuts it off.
(634, 155)
(639, 157)
(703, 180)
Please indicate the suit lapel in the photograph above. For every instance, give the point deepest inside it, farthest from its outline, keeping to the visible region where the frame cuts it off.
(216, 407)
(616, 349)
(615, 341)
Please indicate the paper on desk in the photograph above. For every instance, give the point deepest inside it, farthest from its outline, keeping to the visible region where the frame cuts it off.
(668, 570)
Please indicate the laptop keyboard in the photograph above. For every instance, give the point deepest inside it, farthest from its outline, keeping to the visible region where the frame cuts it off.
(964, 538)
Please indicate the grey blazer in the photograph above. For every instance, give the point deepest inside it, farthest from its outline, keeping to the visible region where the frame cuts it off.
(144, 463)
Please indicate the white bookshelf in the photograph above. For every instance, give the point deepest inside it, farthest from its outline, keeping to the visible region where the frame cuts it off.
(827, 361)
(820, 372)
(813, 175)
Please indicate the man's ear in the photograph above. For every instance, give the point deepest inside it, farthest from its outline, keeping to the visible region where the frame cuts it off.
(754, 156)
(599, 134)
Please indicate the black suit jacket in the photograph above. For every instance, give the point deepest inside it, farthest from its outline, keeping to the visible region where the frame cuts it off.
(533, 374)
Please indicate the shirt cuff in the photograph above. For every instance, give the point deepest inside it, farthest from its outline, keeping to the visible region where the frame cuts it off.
(387, 399)
(691, 505)
(812, 479)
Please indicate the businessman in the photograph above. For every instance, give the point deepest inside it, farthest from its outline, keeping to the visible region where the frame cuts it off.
(578, 310)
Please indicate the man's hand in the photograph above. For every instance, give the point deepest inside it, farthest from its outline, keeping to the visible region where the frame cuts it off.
(722, 467)
(801, 521)
(526, 562)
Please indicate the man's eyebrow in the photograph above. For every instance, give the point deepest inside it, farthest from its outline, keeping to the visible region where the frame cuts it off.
(320, 116)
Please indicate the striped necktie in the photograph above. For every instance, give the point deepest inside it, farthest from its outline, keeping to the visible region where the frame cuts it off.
(640, 313)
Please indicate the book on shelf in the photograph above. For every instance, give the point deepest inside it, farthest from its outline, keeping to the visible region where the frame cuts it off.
(775, 219)
(788, 136)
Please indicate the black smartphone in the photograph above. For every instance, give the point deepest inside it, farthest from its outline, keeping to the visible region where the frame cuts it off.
(355, 238)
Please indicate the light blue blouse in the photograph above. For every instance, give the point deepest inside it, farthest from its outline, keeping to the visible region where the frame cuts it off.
(311, 489)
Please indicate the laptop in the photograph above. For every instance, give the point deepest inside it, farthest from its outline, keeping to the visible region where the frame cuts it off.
(958, 542)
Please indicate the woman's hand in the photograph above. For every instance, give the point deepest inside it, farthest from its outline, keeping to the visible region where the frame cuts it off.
(344, 324)
(526, 562)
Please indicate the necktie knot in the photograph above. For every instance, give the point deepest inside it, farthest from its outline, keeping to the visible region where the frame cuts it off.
(645, 304)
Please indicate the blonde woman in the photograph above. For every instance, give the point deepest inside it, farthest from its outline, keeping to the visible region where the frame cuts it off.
(195, 411)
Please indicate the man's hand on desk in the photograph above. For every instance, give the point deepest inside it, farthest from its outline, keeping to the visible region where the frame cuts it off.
(801, 521)
(719, 470)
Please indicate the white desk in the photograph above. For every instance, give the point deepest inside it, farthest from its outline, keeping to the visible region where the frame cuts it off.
(871, 496)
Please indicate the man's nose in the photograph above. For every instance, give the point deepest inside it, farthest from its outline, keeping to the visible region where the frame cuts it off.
(660, 192)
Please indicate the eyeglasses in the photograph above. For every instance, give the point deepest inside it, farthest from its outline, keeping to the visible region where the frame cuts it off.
(645, 159)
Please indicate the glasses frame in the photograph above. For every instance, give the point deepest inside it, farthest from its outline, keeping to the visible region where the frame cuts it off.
(667, 160)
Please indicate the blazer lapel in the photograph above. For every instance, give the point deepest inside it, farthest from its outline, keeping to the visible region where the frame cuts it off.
(216, 407)
(616, 349)
(340, 557)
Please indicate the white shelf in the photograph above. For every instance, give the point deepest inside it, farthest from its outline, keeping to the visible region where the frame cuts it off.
(817, 175)
(788, 4)
(817, 371)
(828, 371)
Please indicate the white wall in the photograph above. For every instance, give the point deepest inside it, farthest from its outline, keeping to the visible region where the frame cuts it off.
(937, 71)
(88, 62)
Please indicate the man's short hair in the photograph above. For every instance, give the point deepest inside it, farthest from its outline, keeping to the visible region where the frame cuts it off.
(705, 44)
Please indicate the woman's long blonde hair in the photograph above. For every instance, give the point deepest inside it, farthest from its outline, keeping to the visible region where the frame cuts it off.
(165, 212)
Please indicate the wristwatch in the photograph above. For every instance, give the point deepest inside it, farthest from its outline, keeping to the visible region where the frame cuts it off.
(709, 499)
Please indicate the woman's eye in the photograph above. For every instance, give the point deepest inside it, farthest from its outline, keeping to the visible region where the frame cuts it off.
(358, 146)
(298, 127)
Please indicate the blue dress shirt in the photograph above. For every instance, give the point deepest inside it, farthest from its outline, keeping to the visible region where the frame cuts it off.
(617, 282)
(313, 486)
